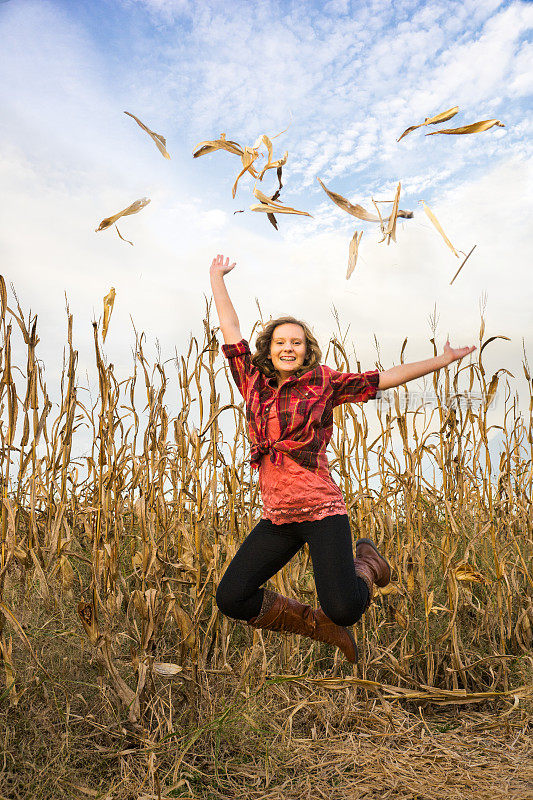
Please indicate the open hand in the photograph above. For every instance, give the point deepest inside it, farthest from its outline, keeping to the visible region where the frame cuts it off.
(219, 267)
(455, 354)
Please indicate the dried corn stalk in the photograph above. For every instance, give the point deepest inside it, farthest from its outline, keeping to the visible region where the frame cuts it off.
(6, 651)
(357, 210)
(160, 141)
(133, 209)
(353, 252)
(444, 116)
(462, 265)
(109, 301)
(271, 207)
(475, 127)
(121, 236)
(436, 223)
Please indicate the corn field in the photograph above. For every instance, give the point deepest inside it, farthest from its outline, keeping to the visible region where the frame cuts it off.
(137, 532)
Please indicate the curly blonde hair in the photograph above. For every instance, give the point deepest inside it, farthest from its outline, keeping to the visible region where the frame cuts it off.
(261, 357)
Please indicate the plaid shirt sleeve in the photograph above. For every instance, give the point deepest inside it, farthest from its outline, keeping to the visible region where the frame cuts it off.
(353, 387)
(240, 363)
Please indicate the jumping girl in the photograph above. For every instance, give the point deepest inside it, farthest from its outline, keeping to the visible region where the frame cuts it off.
(290, 397)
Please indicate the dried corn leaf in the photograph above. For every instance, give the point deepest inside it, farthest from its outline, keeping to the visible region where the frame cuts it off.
(109, 301)
(203, 148)
(121, 236)
(444, 116)
(437, 225)
(133, 209)
(271, 218)
(271, 206)
(160, 141)
(357, 210)
(87, 614)
(465, 572)
(277, 208)
(263, 139)
(277, 193)
(475, 127)
(66, 572)
(352, 253)
(491, 391)
(271, 164)
(248, 157)
(166, 670)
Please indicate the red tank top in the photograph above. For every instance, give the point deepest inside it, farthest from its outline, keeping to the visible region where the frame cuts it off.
(291, 493)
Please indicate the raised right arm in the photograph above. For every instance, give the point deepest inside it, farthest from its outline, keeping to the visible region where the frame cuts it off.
(229, 321)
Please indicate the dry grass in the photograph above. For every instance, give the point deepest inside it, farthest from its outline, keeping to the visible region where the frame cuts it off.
(139, 531)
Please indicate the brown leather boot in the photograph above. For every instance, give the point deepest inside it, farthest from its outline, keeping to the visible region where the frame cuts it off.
(279, 613)
(371, 566)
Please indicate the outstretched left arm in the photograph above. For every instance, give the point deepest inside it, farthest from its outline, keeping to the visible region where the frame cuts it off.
(408, 372)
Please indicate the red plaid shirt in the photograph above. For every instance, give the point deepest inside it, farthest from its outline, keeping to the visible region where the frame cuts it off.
(304, 406)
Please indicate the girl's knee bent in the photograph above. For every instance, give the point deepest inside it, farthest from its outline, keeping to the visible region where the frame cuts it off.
(231, 603)
(345, 612)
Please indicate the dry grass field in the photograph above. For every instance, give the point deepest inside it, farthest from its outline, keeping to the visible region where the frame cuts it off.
(122, 680)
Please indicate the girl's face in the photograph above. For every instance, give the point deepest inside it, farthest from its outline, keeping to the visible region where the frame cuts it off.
(287, 348)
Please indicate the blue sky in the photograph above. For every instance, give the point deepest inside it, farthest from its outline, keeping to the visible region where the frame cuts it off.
(349, 78)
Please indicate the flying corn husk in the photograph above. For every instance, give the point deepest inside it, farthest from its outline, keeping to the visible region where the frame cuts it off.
(121, 236)
(271, 218)
(444, 116)
(475, 127)
(271, 164)
(279, 173)
(389, 232)
(109, 301)
(133, 209)
(251, 154)
(355, 211)
(203, 148)
(462, 265)
(160, 141)
(248, 157)
(352, 253)
(359, 211)
(436, 223)
(273, 221)
(271, 207)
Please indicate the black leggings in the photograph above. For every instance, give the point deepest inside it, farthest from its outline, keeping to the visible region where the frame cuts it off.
(342, 594)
